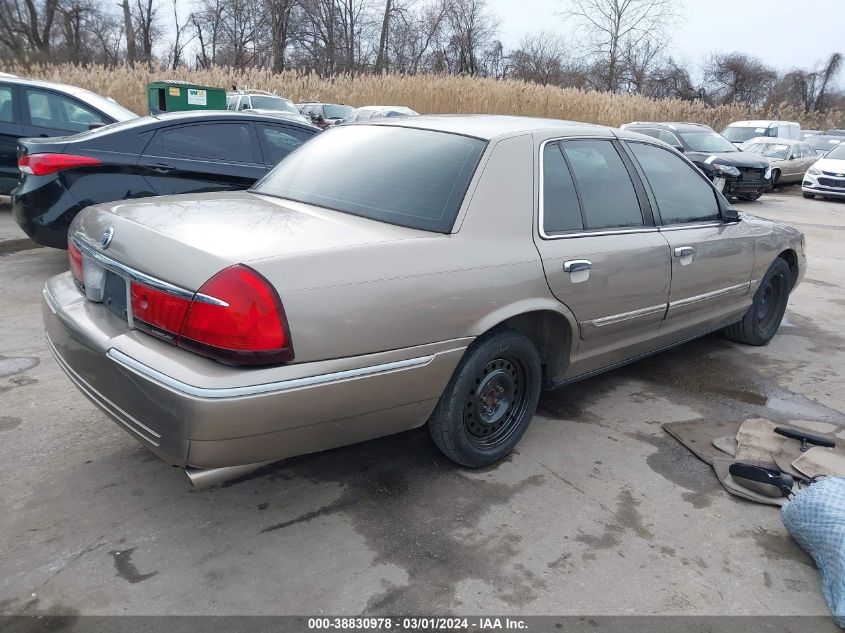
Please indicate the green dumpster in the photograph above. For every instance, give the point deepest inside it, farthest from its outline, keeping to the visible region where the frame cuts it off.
(175, 96)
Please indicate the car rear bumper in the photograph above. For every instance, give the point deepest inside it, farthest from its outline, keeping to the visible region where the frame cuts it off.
(44, 210)
(191, 411)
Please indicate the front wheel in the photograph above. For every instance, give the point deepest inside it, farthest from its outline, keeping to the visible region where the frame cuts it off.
(809, 196)
(490, 400)
(751, 197)
(763, 318)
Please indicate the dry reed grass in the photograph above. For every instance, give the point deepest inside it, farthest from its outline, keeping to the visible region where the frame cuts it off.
(427, 94)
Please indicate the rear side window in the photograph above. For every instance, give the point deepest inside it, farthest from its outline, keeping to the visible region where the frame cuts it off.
(681, 193)
(7, 111)
(228, 142)
(607, 195)
(278, 141)
(561, 211)
(413, 178)
(50, 110)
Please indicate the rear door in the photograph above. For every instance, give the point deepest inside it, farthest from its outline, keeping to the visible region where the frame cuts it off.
(277, 141)
(211, 156)
(10, 130)
(712, 260)
(602, 255)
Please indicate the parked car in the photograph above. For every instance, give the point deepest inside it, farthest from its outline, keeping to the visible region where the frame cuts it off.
(823, 143)
(169, 153)
(262, 102)
(367, 113)
(324, 114)
(805, 133)
(741, 131)
(788, 159)
(447, 284)
(43, 108)
(836, 132)
(735, 173)
(826, 177)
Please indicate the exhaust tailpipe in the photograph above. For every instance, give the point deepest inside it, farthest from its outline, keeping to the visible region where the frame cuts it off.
(205, 477)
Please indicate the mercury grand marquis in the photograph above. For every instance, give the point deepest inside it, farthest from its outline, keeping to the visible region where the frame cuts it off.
(438, 270)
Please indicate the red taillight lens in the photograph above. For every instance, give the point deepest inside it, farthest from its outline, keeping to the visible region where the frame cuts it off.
(44, 164)
(74, 256)
(156, 311)
(249, 329)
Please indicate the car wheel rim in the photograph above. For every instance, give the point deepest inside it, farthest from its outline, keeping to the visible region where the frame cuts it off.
(496, 402)
(768, 307)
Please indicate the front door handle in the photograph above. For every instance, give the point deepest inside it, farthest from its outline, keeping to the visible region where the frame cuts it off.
(683, 251)
(161, 168)
(574, 265)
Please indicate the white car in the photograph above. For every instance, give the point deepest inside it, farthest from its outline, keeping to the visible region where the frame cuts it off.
(826, 177)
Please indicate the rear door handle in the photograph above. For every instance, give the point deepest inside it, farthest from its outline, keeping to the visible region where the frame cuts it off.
(683, 251)
(574, 265)
(161, 168)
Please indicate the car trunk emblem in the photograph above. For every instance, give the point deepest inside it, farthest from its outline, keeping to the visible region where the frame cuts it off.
(106, 237)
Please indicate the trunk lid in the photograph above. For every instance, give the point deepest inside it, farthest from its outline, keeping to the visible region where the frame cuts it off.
(186, 239)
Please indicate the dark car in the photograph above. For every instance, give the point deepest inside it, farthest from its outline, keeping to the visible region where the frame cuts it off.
(169, 153)
(43, 108)
(324, 114)
(736, 174)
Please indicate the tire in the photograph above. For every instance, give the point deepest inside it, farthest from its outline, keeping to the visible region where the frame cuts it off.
(809, 196)
(763, 318)
(775, 177)
(490, 400)
(752, 197)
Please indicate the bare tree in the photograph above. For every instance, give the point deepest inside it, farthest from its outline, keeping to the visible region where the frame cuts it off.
(129, 29)
(181, 38)
(471, 30)
(614, 26)
(540, 58)
(28, 27)
(280, 24)
(811, 89)
(145, 19)
(738, 78)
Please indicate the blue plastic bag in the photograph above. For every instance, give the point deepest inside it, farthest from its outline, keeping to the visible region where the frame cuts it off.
(815, 518)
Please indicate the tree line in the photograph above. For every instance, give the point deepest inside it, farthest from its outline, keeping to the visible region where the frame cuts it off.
(622, 45)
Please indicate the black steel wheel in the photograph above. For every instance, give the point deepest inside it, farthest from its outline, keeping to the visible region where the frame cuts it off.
(763, 318)
(490, 400)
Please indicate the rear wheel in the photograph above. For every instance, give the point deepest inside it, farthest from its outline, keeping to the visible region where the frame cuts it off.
(763, 318)
(490, 400)
(751, 197)
(775, 177)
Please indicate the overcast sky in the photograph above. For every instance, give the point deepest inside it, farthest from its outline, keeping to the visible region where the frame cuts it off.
(783, 33)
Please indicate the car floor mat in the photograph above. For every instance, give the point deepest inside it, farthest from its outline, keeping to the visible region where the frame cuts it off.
(722, 467)
(698, 436)
(789, 451)
(757, 441)
(819, 461)
(726, 444)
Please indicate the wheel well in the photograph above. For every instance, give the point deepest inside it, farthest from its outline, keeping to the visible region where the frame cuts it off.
(791, 258)
(551, 335)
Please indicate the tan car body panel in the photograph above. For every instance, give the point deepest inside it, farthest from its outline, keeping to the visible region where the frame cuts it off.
(381, 315)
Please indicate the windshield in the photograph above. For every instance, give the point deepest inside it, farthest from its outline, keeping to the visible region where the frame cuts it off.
(413, 178)
(823, 143)
(837, 152)
(740, 134)
(336, 111)
(707, 142)
(260, 102)
(107, 106)
(769, 150)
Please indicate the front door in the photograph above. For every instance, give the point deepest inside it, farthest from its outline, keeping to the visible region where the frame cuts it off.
(602, 256)
(10, 130)
(712, 260)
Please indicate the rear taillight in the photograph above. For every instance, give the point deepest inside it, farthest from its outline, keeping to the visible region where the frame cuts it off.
(235, 317)
(74, 256)
(44, 164)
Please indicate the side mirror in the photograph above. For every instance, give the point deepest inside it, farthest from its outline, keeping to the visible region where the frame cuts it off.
(680, 148)
(730, 214)
(94, 125)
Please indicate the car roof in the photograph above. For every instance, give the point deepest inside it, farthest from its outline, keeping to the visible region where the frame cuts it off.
(489, 126)
(52, 85)
(759, 123)
(680, 126)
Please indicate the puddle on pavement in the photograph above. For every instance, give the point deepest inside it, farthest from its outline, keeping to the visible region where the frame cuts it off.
(9, 247)
(16, 364)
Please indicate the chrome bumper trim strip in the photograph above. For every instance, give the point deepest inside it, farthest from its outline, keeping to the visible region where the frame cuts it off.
(252, 390)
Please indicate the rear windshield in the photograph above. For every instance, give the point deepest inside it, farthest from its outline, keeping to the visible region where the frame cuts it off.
(413, 178)
(260, 102)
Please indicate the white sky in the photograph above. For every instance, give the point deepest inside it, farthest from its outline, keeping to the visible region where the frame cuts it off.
(784, 33)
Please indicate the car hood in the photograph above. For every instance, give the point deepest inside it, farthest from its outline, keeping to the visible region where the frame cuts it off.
(186, 239)
(831, 165)
(737, 159)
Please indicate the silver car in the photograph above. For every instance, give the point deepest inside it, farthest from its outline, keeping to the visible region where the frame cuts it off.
(447, 271)
(788, 159)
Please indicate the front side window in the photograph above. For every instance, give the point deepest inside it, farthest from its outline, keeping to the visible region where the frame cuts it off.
(681, 193)
(413, 178)
(50, 110)
(227, 142)
(608, 198)
(668, 137)
(561, 211)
